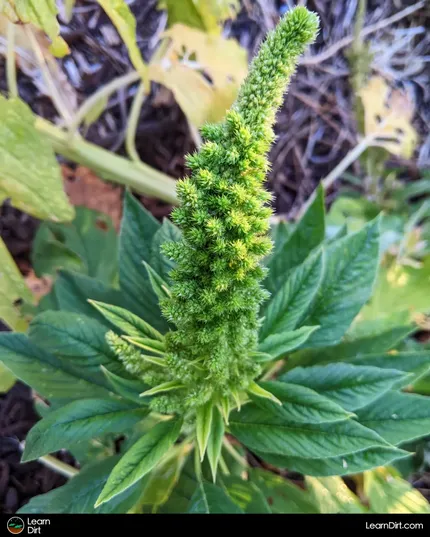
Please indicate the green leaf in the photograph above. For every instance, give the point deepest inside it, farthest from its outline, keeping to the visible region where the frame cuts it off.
(72, 291)
(345, 465)
(183, 491)
(204, 415)
(281, 495)
(80, 421)
(140, 459)
(7, 379)
(398, 417)
(350, 272)
(87, 245)
(307, 235)
(12, 290)
(289, 305)
(257, 391)
(159, 262)
(126, 321)
(153, 345)
(78, 339)
(41, 13)
(161, 481)
(44, 372)
(79, 494)
(301, 404)
(138, 228)
(159, 286)
(331, 495)
(125, 23)
(210, 499)
(29, 175)
(267, 432)
(415, 363)
(129, 389)
(216, 437)
(162, 388)
(378, 338)
(202, 14)
(387, 492)
(245, 495)
(278, 345)
(351, 386)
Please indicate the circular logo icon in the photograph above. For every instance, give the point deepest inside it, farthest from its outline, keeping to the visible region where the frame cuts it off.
(15, 525)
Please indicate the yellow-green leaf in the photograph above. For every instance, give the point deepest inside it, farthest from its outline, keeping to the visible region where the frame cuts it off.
(29, 173)
(202, 14)
(387, 493)
(41, 13)
(12, 289)
(125, 23)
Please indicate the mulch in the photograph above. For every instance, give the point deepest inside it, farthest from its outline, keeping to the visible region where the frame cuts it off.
(315, 130)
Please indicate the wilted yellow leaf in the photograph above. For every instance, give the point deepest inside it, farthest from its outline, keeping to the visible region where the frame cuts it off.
(41, 13)
(387, 114)
(203, 71)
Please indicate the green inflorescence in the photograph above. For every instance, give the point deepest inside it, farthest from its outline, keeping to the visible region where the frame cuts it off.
(224, 218)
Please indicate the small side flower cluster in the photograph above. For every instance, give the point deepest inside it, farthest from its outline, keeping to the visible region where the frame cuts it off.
(224, 217)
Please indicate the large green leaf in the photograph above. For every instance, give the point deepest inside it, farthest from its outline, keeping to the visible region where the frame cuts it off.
(301, 404)
(387, 492)
(78, 339)
(278, 345)
(351, 386)
(80, 421)
(48, 375)
(138, 228)
(79, 494)
(398, 417)
(307, 235)
(331, 495)
(140, 459)
(289, 305)
(87, 245)
(41, 13)
(72, 292)
(266, 432)
(210, 499)
(281, 495)
(415, 363)
(29, 174)
(350, 272)
(159, 262)
(335, 466)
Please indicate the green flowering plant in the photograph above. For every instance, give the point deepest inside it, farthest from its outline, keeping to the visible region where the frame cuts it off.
(221, 336)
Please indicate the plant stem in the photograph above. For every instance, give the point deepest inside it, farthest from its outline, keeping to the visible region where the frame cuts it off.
(343, 165)
(133, 120)
(11, 61)
(142, 179)
(104, 92)
(241, 460)
(272, 370)
(58, 466)
(53, 90)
